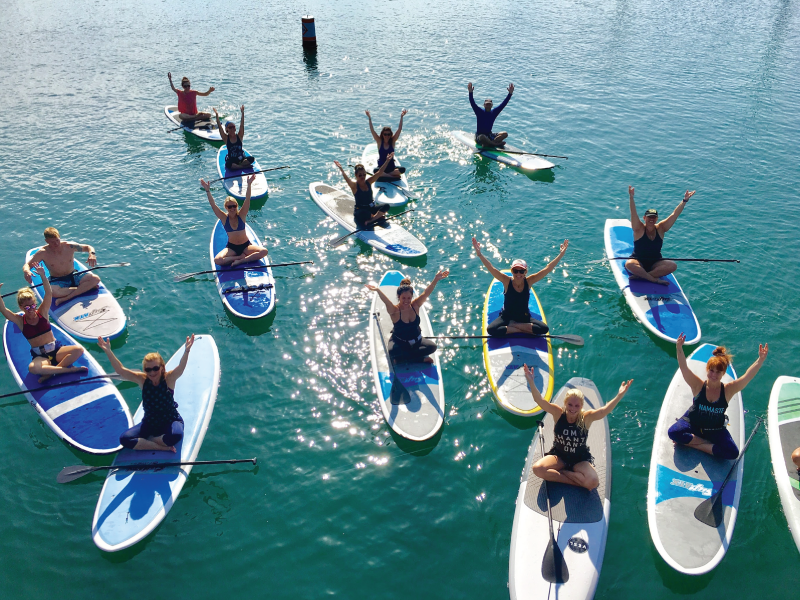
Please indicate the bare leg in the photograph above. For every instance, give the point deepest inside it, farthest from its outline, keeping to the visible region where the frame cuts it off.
(225, 257)
(252, 253)
(514, 327)
(699, 443)
(89, 281)
(66, 356)
(376, 217)
(153, 443)
(198, 117)
(638, 272)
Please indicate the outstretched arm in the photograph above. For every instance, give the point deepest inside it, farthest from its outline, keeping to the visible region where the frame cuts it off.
(379, 172)
(420, 300)
(403, 113)
(496, 111)
(211, 89)
(600, 413)
(738, 385)
(497, 274)
(128, 375)
(474, 106)
(246, 204)
(11, 316)
(551, 265)
(92, 260)
(667, 223)
(172, 376)
(374, 133)
(172, 85)
(222, 133)
(217, 211)
(636, 222)
(44, 307)
(553, 409)
(241, 125)
(390, 306)
(26, 268)
(349, 181)
(689, 377)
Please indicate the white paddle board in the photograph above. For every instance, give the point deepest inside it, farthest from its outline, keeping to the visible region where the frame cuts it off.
(386, 190)
(236, 179)
(206, 130)
(519, 159)
(783, 425)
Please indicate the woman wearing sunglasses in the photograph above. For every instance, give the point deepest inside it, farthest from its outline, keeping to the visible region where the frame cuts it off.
(162, 425)
(187, 100)
(386, 141)
(703, 425)
(239, 249)
(515, 316)
(367, 212)
(49, 356)
(235, 160)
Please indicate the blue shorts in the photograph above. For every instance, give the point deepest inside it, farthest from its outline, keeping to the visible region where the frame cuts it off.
(68, 281)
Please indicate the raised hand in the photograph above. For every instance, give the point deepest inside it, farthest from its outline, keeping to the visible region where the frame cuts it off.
(681, 339)
(389, 156)
(441, 274)
(688, 195)
(216, 114)
(251, 179)
(564, 246)
(762, 352)
(189, 343)
(470, 87)
(510, 88)
(105, 345)
(369, 116)
(630, 191)
(211, 89)
(371, 287)
(528, 374)
(205, 185)
(336, 162)
(624, 387)
(404, 112)
(477, 245)
(39, 270)
(242, 108)
(169, 75)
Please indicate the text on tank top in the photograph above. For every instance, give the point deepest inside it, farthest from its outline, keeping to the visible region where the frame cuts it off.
(235, 149)
(515, 304)
(159, 403)
(569, 438)
(648, 249)
(407, 332)
(708, 415)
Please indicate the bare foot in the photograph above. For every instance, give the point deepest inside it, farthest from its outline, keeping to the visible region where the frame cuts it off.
(428, 360)
(60, 301)
(662, 281)
(44, 378)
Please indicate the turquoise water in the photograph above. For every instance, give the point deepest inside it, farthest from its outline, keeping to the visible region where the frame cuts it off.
(662, 96)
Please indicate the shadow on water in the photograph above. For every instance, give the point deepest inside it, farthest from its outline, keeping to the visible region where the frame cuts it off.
(517, 421)
(310, 61)
(196, 145)
(196, 478)
(678, 582)
(543, 175)
(253, 327)
(367, 250)
(414, 448)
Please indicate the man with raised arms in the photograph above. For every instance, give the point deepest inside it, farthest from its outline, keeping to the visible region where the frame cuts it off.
(485, 119)
(648, 236)
(58, 256)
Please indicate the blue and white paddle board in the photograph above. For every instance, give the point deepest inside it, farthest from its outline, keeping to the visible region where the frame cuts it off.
(526, 162)
(87, 316)
(236, 184)
(394, 192)
(89, 416)
(256, 297)
(681, 478)
(390, 239)
(504, 357)
(423, 416)
(206, 130)
(133, 503)
(664, 310)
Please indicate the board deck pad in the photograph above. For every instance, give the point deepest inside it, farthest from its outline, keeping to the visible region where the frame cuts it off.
(505, 356)
(249, 304)
(681, 478)
(133, 503)
(236, 186)
(388, 191)
(783, 430)
(88, 416)
(423, 416)
(206, 130)
(391, 239)
(85, 317)
(526, 162)
(663, 310)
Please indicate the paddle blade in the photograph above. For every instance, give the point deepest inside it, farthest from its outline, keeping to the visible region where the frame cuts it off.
(68, 474)
(554, 568)
(338, 241)
(182, 277)
(569, 338)
(710, 511)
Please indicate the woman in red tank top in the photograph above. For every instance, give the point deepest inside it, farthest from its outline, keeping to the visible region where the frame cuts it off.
(48, 356)
(187, 100)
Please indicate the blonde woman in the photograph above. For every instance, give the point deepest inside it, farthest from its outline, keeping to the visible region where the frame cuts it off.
(569, 460)
(162, 425)
(49, 356)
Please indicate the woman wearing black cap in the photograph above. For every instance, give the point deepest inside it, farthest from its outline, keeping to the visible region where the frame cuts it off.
(648, 236)
(515, 316)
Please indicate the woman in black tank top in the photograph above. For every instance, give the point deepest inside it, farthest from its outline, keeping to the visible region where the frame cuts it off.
(235, 159)
(366, 211)
(703, 425)
(569, 460)
(515, 316)
(648, 237)
(407, 343)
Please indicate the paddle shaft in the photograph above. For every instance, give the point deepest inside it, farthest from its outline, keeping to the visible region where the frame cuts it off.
(574, 339)
(725, 260)
(75, 273)
(68, 474)
(188, 275)
(338, 241)
(561, 575)
(253, 173)
(64, 384)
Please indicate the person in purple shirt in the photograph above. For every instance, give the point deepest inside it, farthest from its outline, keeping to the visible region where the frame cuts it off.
(486, 117)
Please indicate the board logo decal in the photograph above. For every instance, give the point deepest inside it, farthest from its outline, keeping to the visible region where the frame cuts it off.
(578, 545)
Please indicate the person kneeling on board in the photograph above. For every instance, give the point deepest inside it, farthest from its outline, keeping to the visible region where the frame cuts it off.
(367, 212)
(485, 119)
(162, 425)
(569, 460)
(59, 257)
(49, 357)
(515, 316)
(407, 344)
(386, 141)
(648, 236)
(235, 160)
(703, 425)
(187, 101)
(239, 249)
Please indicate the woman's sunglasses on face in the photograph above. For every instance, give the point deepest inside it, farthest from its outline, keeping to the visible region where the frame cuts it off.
(152, 369)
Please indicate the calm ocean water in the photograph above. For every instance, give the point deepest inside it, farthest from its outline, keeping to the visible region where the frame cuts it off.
(662, 96)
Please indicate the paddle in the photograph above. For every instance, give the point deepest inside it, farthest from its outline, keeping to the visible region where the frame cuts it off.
(58, 385)
(499, 149)
(709, 511)
(399, 393)
(554, 569)
(340, 240)
(567, 337)
(123, 264)
(250, 173)
(402, 191)
(68, 474)
(186, 276)
(726, 260)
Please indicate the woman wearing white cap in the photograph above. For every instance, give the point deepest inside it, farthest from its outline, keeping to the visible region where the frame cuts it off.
(515, 316)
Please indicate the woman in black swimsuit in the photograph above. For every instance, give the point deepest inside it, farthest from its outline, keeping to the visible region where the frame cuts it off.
(569, 460)
(386, 142)
(648, 237)
(366, 212)
(235, 160)
(515, 316)
(407, 343)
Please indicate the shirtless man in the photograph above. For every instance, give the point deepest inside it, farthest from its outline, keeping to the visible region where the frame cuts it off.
(59, 257)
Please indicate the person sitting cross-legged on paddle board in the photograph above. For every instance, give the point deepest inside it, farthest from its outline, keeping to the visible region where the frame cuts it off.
(569, 460)
(239, 249)
(386, 141)
(702, 426)
(187, 100)
(367, 212)
(59, 257)
(48, 356)
(648, 236)
(407, 344)
(162, 425)
(515, 316)
(235, 160)
(486, 117)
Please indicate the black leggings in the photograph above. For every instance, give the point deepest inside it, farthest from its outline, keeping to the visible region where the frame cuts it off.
(405, 352)
(364, 214)
(499, 327)
(172, 433)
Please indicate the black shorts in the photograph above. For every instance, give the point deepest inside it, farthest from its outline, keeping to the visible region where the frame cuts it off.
(570, 460)
(238, 249)
(50, 355)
